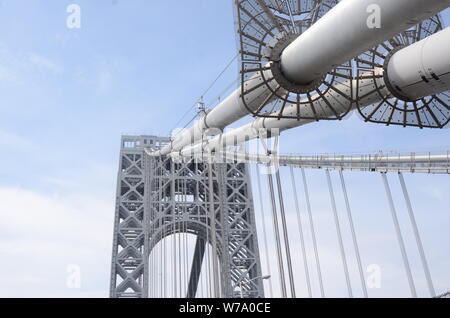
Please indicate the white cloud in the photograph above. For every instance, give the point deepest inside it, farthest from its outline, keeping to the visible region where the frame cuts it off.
(45, 63)
(100, 78)
(104, 80)
(103, 75)
(8, 75)
(18, 68)
(16, 142)
(10, 66)
(42, 235)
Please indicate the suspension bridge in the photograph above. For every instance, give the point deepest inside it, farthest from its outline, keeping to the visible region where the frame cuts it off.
(195, 213)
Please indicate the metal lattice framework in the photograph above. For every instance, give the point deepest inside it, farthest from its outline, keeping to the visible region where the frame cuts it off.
(149, 209)
(265, 29)
(128, 272)
(428, 112)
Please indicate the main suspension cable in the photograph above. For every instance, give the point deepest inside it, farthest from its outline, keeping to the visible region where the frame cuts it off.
(207, 90)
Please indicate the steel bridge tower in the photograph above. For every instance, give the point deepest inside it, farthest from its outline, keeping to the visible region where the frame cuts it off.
(157, 197)
(294, 71)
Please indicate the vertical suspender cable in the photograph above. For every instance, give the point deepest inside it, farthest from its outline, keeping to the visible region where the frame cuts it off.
(302, 237)
(208, 267)
(183, 250)
(158, 277)
(160, 243)
(187, 238)
(182, 236)
(262, 212)
(417, 236)
(285, 234)
(163, 262)
(277, 237)
(151, 295)
(221, 188)
(174, 242)
(157, 271)
(199, 293)
(152, 265)
(161, 271)
(213, 231)
(172, 262)
(339, 233)
(180, 258)
(399, 235)
(165, 267)
(154, 275)
(174, 221)
(208, 235)
(163, 238)
(187, 256)
(354, 239)
(200, 277)
(185, 260)
(159, 260)
(313, 233)
(184, 239)
(152, 271)
(180, 273)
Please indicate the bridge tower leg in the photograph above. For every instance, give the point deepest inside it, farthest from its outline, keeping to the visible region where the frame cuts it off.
(157, 197)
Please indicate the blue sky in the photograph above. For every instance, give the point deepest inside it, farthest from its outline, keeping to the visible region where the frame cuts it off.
(134, 67)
